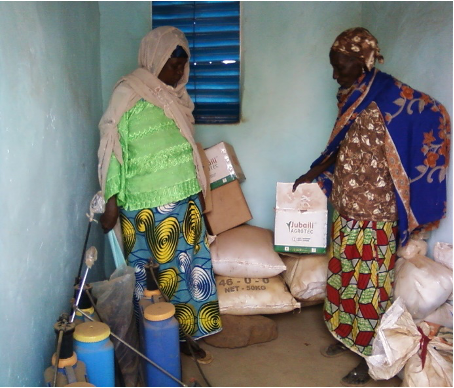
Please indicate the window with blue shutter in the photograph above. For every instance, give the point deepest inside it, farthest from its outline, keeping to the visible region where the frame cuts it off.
(213, 32)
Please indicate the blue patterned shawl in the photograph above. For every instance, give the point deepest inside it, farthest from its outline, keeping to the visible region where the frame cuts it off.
(417, 146)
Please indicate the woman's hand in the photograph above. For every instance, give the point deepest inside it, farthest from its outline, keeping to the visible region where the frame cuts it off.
(109, 217)
(305, 178)
(315, 171)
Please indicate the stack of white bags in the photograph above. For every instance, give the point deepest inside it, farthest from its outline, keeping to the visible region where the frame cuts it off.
(425, 285)
(306, 277)
(247, 273)
(251, 278)
(415, 337)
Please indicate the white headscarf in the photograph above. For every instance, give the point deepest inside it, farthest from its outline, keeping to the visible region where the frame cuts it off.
(155, 49)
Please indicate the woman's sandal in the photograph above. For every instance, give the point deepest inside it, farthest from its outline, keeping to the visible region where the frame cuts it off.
(333, 350)
(202, 356)
(206, 359)
(358, 376)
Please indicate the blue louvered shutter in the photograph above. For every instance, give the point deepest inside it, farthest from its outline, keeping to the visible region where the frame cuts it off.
(213, 32)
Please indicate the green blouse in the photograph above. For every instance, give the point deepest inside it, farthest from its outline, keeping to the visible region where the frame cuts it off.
(158, 166)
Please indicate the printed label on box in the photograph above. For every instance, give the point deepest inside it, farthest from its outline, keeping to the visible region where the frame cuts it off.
(224, 165)
(300, 232)
(301, 219)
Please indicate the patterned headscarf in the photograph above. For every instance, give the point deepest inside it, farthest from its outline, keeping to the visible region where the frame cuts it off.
(360, 43)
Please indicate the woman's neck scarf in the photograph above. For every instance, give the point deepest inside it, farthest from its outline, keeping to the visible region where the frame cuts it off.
(417, 146)
(155, 49)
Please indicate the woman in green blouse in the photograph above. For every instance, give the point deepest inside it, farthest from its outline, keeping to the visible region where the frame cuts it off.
(151, 175)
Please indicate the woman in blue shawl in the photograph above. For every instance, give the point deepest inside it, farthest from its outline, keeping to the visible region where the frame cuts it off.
(384, 171)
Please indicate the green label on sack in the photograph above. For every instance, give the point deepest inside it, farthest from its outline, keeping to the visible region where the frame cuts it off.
(286, 249)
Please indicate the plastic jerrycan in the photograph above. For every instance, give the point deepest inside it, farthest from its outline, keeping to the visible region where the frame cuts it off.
(162, 344)
(94, 347)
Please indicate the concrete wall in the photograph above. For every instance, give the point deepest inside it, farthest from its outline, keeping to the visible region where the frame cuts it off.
(124, 23)
(50, 104)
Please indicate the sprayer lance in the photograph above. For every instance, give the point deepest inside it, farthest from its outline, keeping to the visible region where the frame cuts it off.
(90, 257)
(97, 206)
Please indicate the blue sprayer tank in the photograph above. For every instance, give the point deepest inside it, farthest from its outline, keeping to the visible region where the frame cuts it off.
(148, 298)
(161, 344)
(94, 347)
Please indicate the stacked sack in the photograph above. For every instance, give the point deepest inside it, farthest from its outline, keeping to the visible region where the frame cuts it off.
(306, 276)
(415, 337)
(425, 285)
(248, 272)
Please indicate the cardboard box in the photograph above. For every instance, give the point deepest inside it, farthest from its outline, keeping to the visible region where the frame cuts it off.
(224, 165)
(206, 202)
(229, 208)
(301, 219)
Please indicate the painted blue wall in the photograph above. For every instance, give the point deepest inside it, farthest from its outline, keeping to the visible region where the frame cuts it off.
(50, 104)
(57, 58)
(124, 23)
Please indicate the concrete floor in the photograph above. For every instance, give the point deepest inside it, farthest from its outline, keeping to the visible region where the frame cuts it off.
(291, 360)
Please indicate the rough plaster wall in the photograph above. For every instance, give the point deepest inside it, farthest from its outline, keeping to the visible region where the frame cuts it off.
(288, 94)
(416, 41)
(50, 103)
(119, 50)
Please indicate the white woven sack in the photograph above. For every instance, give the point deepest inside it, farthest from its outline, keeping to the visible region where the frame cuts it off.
(396, 340)
(437, 370)
(443, 254)
(442, 315)
(246, 251)
(252, 296)
(306, 276)
(422, 283)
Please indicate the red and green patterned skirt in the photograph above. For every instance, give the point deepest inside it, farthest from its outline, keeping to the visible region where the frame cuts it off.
(360, 280)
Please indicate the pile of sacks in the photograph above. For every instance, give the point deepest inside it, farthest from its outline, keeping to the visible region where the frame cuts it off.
(415, 337)
(253, 280)
(425, 285)
(306, 276)
(247, 272)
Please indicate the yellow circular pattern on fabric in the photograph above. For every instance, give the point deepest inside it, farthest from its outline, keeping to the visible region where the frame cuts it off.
(186, 317)
(144, 220)
(129, 234)
(209, 318)
(163, 240)
(192, 224)
(168, 282)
